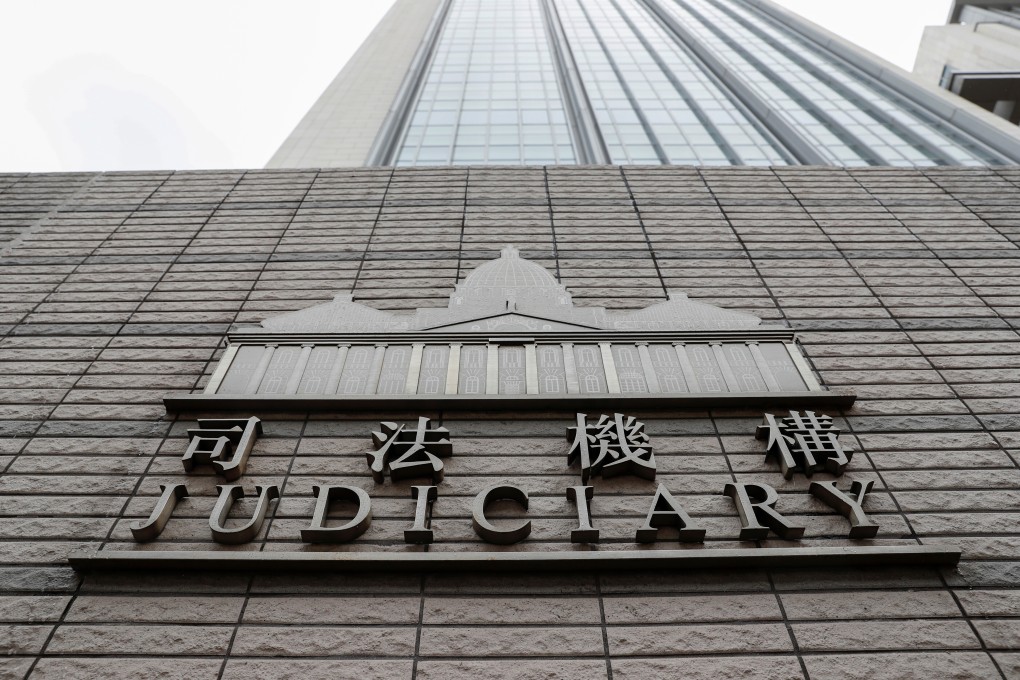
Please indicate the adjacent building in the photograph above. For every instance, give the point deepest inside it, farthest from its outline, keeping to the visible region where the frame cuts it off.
(976, 55)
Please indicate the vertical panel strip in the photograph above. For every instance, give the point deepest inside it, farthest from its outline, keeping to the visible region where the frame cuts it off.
(690, 375)
(453, 368)
(333, 382)
(260, 370)
(531, 368)
(414, 368)
(492, 369)
(375, 372)
(802, 365)
(299, 370)
(221, 369)
(609, 364)
(570, 369)
(724, 366)
(651, 379)
(763, 367)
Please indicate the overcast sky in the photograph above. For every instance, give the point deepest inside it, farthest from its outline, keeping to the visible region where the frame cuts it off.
(135, 84)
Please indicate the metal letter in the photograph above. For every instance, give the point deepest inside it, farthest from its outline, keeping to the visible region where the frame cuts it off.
(419, 533)
(581, 497)
(242, 534)
(611, 447)
(215, 439)
(318, 532)
(666, 512)
(485, 529)
(761, 509)
(848, 506)
(409, 453)
(805, 442)
(153, 527)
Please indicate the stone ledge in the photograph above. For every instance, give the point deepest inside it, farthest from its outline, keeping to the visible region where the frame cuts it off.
(269, 404)
(711, 558)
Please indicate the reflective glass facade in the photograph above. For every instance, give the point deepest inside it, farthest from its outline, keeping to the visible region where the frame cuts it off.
(849, 120)
(653, 102)
(698, 82)
(490, 94)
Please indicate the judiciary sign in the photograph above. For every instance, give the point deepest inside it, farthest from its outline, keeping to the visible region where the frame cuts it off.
(512, 340)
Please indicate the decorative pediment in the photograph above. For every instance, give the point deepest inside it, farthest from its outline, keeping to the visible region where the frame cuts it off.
(512, 335)
(505, 323)
(510, 293)
(342, 315)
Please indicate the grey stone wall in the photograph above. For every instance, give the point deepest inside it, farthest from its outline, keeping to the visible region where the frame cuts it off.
(118, 288)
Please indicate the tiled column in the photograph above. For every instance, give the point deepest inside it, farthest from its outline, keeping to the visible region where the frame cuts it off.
(333, 382)
(299, 370)
(609, 365)
(414, 368)
(260, 370)
(453, 369)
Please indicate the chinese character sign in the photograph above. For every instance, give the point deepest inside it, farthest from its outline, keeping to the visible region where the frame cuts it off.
(804, 442)
(612, 446)
(223, 443)
(409, 453)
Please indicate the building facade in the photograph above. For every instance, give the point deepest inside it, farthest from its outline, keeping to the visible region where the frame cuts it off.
(671, 82)
(976, 56)
(120, 292)
(570, 402)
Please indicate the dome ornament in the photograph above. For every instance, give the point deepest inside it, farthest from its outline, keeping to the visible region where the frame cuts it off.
(511, 293)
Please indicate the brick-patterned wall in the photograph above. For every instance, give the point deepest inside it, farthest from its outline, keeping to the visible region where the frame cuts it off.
(118, 288)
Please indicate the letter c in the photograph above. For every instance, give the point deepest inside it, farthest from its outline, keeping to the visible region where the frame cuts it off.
(485, 529)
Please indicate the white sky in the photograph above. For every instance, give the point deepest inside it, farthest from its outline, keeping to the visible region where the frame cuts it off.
(137, 84)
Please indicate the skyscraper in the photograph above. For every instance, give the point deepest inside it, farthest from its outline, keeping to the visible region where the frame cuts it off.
(976, 55)
(672, 82)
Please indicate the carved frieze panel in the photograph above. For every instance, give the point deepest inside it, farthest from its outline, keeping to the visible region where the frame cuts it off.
(511, 332)
(516, 368)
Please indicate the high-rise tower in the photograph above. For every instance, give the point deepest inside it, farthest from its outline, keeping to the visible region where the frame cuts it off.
(976, 55)
(701, 82)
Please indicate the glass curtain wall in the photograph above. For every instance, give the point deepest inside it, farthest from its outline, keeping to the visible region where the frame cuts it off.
(698, 82)
(490, 94)
(653, 101)
(849, 120)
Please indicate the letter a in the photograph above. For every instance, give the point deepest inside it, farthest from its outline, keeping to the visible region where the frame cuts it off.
(666, 512)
